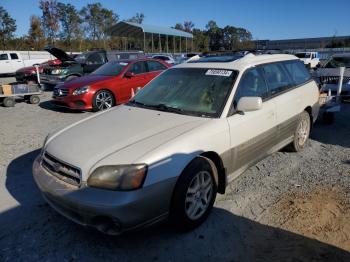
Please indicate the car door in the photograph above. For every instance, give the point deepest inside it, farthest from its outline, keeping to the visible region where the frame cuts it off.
(154, 69)
(252, 133)
(16, 62)
(134, 78)
(5, 66)
(287, 101)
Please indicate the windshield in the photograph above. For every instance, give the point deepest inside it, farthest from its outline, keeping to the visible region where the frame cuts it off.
(303, 55)
(80, 58)
(336, 62)
(113, 68)
(191, 91)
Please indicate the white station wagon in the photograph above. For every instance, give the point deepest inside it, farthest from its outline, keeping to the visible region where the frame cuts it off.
(178, 142)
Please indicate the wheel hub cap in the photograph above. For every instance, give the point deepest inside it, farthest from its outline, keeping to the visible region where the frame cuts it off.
(199, 194)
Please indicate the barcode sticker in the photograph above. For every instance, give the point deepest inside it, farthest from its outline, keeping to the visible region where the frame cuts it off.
(218, 72)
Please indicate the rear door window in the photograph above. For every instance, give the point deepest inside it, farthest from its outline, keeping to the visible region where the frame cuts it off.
(297, 71)
(277, 78)
(155, 66)
(14, 56)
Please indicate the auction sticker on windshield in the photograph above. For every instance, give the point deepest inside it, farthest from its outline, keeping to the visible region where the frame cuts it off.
(218, 72)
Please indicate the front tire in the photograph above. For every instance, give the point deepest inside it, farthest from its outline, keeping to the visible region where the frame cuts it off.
(302, 133)
(9, 102)
(194, 195)
(103, 100)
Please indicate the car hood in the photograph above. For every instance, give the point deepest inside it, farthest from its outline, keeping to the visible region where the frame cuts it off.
(59, 54)
(89, 141)
(27, 69)
(85, 81)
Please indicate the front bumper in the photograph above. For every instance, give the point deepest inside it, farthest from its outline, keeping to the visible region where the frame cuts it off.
(111, 212)
(79, 102)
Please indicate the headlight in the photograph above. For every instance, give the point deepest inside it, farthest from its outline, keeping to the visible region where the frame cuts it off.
(58, 71)
(81, 90)
(118, 178)
(43, 147)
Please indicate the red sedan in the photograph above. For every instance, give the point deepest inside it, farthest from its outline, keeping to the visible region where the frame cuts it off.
(109, 85)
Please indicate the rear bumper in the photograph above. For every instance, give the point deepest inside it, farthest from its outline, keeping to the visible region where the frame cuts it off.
(111, 212)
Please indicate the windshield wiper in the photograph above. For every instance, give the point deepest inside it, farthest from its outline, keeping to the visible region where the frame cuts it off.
(163, 107)
(134, 102)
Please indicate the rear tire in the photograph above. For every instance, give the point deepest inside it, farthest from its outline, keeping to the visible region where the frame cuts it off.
(301, 133)
(9, 102)
(194, 195)
(34, 99)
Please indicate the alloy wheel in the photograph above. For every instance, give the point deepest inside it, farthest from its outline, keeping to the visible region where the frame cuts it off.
(199, 195)
(104, 100)
(303, 131)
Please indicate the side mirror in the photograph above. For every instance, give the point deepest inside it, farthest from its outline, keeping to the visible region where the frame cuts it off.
(246, 104)
(129, 74)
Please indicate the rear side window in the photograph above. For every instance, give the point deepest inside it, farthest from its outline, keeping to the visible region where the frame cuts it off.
(14, 56)
(277, 78)
(3, 57)
(252, 84)
(297, 71)
(155, 66)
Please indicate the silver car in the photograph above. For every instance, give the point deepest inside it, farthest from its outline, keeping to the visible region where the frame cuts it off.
(179, 141)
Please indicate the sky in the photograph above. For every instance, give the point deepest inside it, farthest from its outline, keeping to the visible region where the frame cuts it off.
(265, 19)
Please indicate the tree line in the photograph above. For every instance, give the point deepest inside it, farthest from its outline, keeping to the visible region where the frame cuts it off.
(66, 27)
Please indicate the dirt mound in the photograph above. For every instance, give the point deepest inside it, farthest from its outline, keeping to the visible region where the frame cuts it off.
(323, 214)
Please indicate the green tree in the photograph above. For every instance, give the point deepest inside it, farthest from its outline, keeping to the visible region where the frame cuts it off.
(50, 19)
(70, 23)
(98, 20)
(36, 36)
(138, 18)
(179, 26)
(7, 26)
(188, 26)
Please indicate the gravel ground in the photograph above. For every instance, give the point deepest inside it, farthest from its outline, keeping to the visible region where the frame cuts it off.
(289, 207)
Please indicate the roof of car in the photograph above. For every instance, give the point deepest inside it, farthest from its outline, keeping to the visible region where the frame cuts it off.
(238, 62)
(143, 58)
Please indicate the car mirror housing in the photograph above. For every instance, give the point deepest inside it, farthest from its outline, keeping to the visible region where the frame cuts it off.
(246, 104)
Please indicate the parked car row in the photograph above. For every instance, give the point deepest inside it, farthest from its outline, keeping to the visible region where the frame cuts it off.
(167, 152)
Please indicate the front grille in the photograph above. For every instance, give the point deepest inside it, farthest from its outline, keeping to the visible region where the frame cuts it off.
(60, 92)
(62, 171)
(47, 71)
